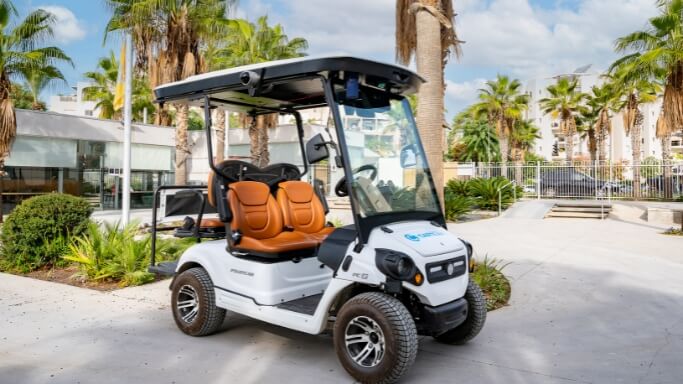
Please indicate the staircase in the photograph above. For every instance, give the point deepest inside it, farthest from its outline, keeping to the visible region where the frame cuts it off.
(580, 210)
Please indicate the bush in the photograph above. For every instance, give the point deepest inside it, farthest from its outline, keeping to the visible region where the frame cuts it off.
(457, 187)
(485, 192)
(488, 275)
(456, 205)
(36, 232)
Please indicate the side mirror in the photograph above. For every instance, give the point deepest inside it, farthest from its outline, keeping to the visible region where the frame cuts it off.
(408, 156)
(316, 149)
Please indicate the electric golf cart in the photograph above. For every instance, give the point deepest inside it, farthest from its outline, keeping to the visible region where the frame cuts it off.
(270, 254)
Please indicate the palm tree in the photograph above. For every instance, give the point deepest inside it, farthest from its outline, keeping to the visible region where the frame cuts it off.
(634, 88)
(565, 102)
(20, 50)
(38, 79)
(601, 102)
(168, 36)
(502, 103)
(103, 89)
(481, 142)
(663, 133)
(524, 136)
(659, 54)
(425, 29)
(249, 43)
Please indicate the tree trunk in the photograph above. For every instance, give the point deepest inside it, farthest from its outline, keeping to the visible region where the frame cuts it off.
(219, 128)
(519, 154)
(635, 151)
(592, 144)
(666, 166)
(569, 139)
(2, 190)
(430, 109)
(504, 144)
(603, 124)
(182, 149)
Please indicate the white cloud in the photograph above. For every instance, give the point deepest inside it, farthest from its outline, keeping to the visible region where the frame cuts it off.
(67, 27)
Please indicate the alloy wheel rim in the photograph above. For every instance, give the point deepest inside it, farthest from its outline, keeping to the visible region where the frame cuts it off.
(187, 303)
(364, 341)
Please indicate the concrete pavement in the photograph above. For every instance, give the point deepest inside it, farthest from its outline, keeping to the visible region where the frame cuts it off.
(593, 302)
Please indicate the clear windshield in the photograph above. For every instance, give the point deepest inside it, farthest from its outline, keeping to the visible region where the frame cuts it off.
(390, 171)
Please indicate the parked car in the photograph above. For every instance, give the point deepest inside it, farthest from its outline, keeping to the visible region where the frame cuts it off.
(568, 182)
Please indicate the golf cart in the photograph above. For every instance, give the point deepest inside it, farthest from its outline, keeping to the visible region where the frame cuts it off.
(392, 275)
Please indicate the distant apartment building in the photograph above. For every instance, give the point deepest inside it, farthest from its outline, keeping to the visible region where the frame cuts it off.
(552, 144)
(74, 103)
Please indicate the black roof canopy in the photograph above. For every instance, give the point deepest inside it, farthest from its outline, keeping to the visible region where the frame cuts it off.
(286, 85)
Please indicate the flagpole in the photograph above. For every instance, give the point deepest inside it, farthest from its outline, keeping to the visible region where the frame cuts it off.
(127, 120)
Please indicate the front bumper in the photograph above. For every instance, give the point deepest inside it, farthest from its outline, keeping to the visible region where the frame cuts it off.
(437, 320)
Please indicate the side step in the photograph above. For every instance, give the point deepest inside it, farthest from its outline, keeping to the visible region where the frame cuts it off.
(306, 305)
(165, 268)
(580, 210)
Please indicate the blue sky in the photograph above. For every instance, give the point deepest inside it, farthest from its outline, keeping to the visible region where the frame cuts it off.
(522, 38)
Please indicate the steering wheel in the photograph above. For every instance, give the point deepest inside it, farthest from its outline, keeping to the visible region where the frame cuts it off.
(341, 190)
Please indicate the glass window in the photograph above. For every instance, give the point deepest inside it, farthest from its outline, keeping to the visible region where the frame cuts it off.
(43, 152)
(390, 170)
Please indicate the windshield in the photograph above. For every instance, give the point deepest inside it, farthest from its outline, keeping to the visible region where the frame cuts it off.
(385, 153)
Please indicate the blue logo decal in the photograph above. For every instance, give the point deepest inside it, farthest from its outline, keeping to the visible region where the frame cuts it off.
(417, 237)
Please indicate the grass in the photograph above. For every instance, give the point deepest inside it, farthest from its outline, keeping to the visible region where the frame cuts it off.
(674, 232)
(488, 274)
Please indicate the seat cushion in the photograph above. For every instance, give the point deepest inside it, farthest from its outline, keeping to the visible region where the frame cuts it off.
(211, 223)
(322, 234)
(284, 242)
(255, 213)
(301, 208)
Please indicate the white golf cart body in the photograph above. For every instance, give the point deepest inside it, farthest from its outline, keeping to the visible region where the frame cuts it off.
(398, 244)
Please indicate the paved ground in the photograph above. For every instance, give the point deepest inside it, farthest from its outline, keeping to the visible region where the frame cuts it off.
(593, 302)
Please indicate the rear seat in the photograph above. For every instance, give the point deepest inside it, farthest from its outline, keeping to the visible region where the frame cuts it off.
(258, 219)
(302, 210)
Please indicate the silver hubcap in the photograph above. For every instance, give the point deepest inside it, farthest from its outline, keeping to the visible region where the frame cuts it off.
(187, 303)
(364, 341)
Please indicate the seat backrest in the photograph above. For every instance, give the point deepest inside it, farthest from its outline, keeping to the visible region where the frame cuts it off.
(254, 210)
(301, 208)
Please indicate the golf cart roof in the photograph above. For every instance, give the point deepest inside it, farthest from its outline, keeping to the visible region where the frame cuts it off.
(286, 85)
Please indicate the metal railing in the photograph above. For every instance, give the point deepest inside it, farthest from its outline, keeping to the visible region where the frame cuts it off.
(500, 195)
(586, 180)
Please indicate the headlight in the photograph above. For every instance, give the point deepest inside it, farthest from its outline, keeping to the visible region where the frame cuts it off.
(470, 252)
(398, 266)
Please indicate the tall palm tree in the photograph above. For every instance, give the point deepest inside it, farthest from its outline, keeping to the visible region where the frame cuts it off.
(249, 43)
(103, 89)
(20, 49)
(168, 36)
(37, 79)
(502, 103)
(664, 133)
(524, 136)
(659, 54)
(425, 29)
(566, 103)
(634, 88)
(476, 135)
(601, 102)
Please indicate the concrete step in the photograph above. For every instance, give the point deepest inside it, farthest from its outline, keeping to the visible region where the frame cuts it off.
(582, 209)
(577, 215)
(583, 205)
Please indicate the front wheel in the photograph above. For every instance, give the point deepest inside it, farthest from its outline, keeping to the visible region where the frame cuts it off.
(476, 317)
(375, 338)
(194, 303)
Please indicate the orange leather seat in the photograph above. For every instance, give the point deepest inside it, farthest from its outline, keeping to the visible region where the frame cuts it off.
(258, 218)
(302, 210)
(211, 223)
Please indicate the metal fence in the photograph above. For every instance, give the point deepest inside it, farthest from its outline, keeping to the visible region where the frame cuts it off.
(584, 180)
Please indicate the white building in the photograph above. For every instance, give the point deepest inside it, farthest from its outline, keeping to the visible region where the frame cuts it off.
(552, 145)
(74, 104)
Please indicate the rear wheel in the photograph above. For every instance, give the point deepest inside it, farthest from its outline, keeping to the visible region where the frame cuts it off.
(476, 317)
(375, 338)
(194, 303)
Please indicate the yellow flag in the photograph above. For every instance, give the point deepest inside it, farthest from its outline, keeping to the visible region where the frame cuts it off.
(121, 80)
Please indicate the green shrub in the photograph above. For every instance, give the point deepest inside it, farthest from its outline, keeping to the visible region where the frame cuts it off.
(457, 187)
(456, 205)
(37, 231)
(488, 275)
(485, 192)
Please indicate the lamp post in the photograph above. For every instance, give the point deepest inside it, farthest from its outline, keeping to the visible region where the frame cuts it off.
(127, 121)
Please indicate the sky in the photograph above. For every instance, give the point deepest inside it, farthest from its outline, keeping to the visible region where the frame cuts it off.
(526, 39)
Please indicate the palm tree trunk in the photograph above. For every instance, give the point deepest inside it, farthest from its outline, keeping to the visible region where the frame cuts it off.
(504, 143)
(569, 139)
(430, 108)
(519, 154)
(182, 149)
(635, 151)
(602, 135)
(592, 144)
(666, 165)
(219, 128)
(251, 122)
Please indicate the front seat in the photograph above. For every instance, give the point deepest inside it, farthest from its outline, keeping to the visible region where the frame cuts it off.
(302, 210)
(258, 220)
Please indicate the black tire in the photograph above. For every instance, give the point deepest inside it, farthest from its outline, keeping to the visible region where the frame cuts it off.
(397, 330)
(208, 317)
(476, 317)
